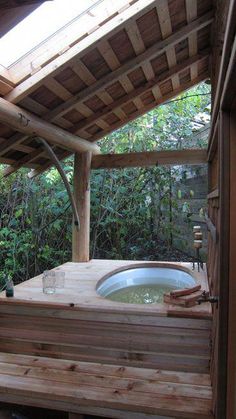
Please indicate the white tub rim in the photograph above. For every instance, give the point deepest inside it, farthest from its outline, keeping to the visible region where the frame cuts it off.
(165, 265)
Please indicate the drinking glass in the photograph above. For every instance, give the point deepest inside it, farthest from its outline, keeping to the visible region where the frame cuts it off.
(49, 282)
(60, 279)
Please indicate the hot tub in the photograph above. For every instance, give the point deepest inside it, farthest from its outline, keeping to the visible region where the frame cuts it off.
(144, 285)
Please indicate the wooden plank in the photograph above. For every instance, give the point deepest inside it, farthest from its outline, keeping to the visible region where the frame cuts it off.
(227, 46)
(126, 400)
(32, 83)
(166, 30)
(220, 275)
(109, 370)
(57, 88)
(27, 123)
(5, 88)
(80, 239)
(108, 54)
(135, 38)
(72, 378)
(191, 13)
(230, 207)
(149, 158)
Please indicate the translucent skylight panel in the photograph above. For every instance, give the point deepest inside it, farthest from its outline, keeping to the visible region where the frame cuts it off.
(38, 26)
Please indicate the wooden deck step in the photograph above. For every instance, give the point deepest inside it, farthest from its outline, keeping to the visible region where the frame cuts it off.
(90, 387)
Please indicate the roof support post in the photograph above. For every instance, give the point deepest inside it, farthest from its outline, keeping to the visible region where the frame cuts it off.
(81, 237)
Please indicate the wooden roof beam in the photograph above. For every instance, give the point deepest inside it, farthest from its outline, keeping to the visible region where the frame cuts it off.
(139, 90)
(154, 51)
(27, 123)
(139, 112)
(152, 105)
(149, 158)
(71, 55)
(60, 42)
(19, 92)
(191, 13)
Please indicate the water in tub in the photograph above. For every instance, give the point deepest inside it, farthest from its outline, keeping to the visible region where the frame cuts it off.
(140, 294)
(144, 285)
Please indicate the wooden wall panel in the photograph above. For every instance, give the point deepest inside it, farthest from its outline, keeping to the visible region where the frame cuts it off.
(178, 344)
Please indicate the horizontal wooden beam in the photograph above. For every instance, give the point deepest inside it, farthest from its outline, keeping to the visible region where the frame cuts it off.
(149, 158)
(27, 123)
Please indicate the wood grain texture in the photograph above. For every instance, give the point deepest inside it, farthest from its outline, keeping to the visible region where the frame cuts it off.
(27, 123)
(110, 387)
(81, 235)
(149, 158)
(93, 83)
(78, 324)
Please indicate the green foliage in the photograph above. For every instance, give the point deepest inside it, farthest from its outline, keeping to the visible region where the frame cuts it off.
(133, 211)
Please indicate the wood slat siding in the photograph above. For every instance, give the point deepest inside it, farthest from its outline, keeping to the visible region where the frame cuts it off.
(110, 76)
(213, 257)
(176, 344)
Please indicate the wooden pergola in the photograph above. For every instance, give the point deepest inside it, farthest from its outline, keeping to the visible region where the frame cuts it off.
(77, 87)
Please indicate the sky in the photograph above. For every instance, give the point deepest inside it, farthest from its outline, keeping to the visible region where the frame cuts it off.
(38, 26)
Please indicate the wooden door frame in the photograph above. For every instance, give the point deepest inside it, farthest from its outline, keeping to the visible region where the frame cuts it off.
(226, 374)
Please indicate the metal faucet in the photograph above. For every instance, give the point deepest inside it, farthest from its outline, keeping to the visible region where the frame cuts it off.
(206, 297)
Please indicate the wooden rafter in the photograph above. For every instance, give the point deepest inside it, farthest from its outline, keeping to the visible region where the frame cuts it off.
(138, 91)
(191, 12)
(71, 55)
(140, 111)
(115, 85)
(166, 30)
(19, 92)
(66, 37)
(146, 108)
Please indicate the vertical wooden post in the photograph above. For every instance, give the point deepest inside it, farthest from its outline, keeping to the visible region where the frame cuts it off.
(80, 237)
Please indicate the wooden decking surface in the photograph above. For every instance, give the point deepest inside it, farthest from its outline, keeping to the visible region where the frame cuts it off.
(80, 290)
(82, 387)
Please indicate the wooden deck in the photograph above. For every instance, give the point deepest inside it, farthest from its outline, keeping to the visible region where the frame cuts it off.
(106, 390)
